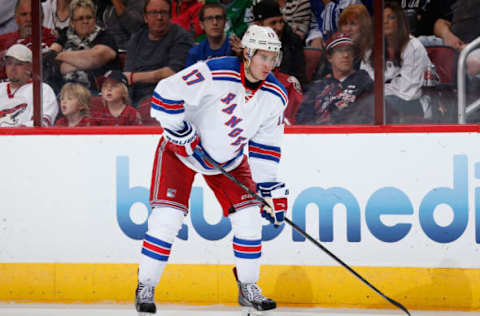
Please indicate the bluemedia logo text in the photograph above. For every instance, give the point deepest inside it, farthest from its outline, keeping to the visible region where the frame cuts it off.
(384, 201)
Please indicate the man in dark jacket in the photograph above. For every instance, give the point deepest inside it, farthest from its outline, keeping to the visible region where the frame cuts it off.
(339, 97)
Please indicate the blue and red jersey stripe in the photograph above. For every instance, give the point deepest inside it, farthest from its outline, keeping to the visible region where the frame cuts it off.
(166, 105)
(261, 151)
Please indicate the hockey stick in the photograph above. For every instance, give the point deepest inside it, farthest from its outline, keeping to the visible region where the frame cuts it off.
(303, 233)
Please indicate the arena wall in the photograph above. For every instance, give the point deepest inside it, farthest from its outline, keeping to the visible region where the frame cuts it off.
(402, 208)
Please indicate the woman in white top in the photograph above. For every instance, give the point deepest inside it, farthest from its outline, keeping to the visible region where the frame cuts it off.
(406, 61)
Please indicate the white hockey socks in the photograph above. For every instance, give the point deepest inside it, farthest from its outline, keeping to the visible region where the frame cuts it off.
(247, 243)
(163, 226)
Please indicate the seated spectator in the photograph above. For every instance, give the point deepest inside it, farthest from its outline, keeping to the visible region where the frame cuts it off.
(85, 51)
(459, 28)
(117, 109)
(356, 23)
(267, 13)
(23, 35)
(212, 20)
(337, 98)
(406, 63)
(56, 14)
(121, 19)
(325, 16)
(74, 103)
(7, 17)
(186, 14)
(155, 52)
(297, 14)
(237, 16)
(16, 95)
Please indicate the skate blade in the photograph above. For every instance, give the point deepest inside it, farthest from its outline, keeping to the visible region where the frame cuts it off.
(144, 314)
(250, 311)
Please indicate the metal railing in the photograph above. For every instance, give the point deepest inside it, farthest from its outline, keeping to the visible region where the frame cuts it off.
(463, 109)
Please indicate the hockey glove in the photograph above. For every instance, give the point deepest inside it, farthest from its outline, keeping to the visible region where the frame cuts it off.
(182, 142)
(275, 193)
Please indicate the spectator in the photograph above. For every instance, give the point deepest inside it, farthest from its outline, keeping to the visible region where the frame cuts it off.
(16, 95)
(237, 16)
(297, 14)
(414, 11)
(122, 18)
(406, 63)
(356, 23)
(23, 35)
(155, 52)
(74, 103)
(85, 51)
(459, 28)
(7, 17)
(186, 14)
(56, 14)
(212, 20)
(117, 109)
(267, 13)
(337, 98)
(325, 14)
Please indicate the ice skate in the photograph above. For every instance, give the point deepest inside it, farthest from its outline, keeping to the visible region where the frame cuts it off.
(144, 300)
(251, 299)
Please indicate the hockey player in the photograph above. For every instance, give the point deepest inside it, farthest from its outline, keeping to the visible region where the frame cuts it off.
(214, 109)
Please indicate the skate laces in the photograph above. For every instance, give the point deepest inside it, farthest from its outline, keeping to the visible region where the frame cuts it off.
(146, 293)
(254, 294)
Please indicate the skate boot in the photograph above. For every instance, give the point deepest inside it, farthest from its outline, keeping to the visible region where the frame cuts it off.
(144, 302)
(251, 299)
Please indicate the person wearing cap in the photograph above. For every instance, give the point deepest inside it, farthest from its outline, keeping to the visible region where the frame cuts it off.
(117, 110)
(16, 95)
(267, 13)
(339, 97)
(213, 109)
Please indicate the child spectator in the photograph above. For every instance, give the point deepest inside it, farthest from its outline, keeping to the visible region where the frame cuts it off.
(117, 109)
(74, 103)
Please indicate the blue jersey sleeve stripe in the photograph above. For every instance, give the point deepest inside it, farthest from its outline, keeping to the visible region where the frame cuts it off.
(265, 147)
(167, 101)
(159, 108)
(267, 157)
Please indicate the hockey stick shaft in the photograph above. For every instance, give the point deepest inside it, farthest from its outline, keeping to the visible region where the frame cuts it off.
(304, 234)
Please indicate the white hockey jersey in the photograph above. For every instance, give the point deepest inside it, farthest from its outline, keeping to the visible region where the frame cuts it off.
(16, 107)
(213, 98)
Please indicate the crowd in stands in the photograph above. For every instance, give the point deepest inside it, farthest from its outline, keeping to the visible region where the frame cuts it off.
(103, 58)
